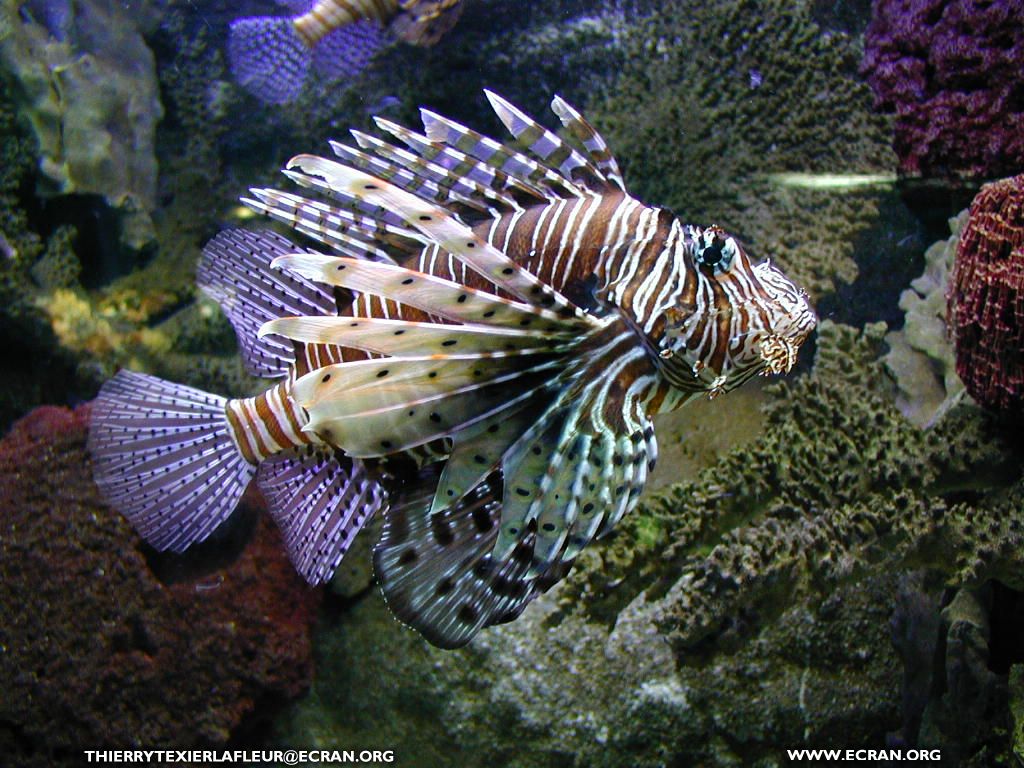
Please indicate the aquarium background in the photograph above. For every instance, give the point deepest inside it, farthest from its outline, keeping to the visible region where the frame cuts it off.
(830, 560)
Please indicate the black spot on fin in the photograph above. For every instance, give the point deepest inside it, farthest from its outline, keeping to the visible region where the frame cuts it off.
(436, 569)
(163, 455)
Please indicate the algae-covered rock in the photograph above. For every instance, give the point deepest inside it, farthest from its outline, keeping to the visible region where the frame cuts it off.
(37, 369)
(730, 617)
(718, 102)
(86, 82)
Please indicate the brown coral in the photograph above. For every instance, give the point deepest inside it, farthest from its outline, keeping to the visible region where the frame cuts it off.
(986, 298)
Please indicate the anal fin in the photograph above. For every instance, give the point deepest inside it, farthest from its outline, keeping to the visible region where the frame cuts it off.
(320, 501)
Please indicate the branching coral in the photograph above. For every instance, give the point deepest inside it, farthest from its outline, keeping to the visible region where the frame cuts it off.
(838, 484)
(951, 71)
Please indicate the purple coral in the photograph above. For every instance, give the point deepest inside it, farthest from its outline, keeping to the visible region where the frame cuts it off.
(953, 72)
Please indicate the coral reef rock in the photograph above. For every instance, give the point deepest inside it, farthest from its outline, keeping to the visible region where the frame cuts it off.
(951, 71)
(86, 81)
(730, 616)
(784, 96)
(96, 650)
(986, 298)
(920, 356)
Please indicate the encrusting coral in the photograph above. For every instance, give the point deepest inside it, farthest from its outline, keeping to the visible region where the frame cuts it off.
(783, 96)
(718, 623)
(986, 298)
(106, 643)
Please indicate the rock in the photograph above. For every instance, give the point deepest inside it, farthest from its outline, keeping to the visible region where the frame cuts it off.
(106, 643)
(89, 90)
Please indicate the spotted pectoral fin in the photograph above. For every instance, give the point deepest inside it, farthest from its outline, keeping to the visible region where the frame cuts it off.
(435, 569)
(479, 451)
(582, 466)
(434, 295)
(401, 338)
(377, 407)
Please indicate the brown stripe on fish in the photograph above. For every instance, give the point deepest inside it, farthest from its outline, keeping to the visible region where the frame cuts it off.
(329, 15)
(267, 423)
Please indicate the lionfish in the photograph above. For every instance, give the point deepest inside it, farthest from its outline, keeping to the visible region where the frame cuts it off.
(479, 361)
(270, 56)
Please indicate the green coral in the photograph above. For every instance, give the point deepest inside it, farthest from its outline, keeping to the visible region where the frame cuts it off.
(717, 624)
(745, 90)
(838, 483)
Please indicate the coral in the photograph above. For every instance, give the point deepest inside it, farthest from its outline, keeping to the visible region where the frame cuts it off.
(920, 355)
(951, 72)
(58, 267)
(90, 94)
(956, 697)
(106, 643)
(986, 298)
(839, 483)
(783, 96)
(717, 624)
(36, 369)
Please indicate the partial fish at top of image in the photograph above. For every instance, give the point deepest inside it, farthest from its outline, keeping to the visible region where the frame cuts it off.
(271, 56)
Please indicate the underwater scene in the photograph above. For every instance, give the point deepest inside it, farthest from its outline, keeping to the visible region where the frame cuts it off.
(512, 383)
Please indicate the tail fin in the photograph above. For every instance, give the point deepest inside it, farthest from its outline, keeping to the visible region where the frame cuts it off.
(163, 455)
(268, 58)
(345, 52)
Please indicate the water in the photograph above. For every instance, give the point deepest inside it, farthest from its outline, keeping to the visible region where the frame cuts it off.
(827, 559)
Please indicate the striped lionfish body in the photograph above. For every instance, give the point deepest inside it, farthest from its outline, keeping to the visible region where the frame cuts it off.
(479, 361)
(270, 56)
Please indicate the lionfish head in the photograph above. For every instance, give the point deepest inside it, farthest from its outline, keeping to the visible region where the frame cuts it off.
(738, 319)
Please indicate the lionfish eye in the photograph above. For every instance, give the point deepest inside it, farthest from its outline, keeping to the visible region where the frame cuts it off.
(711, 255)
(712, 251)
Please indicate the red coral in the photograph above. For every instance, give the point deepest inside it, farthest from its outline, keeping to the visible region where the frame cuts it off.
(986, 298)
(95, 650)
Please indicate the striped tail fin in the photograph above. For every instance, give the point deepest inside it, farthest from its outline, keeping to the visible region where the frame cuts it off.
(268, 58)
(164, 456)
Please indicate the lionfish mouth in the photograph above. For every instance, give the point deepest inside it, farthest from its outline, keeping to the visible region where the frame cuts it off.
(779, 354)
